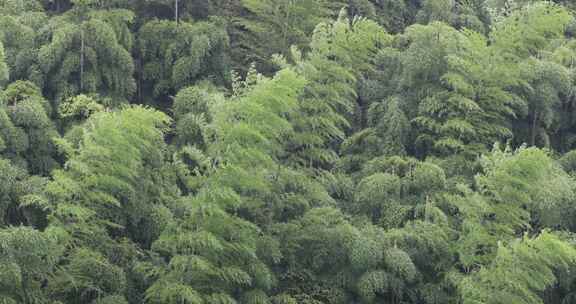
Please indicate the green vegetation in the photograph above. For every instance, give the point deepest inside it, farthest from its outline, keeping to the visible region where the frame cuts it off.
(287, 152)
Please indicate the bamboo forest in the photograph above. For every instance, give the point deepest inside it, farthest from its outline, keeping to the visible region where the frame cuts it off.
(287, 152)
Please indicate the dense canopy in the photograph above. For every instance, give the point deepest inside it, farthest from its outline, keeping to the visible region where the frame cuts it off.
(287, 152)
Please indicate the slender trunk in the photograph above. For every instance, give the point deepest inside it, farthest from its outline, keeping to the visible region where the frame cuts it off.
(359, 117)
(426, 204)
(533, 132)
(139, 78)
(82, 59)
(176, 11)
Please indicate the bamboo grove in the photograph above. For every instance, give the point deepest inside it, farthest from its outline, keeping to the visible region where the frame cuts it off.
(287, 152)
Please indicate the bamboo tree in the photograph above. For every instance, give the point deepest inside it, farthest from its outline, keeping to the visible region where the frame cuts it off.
(178, 55)
(87, 54)
(4, 72)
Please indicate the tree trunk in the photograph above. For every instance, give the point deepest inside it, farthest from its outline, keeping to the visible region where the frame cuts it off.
(533, 131)
(82, 59)
(176, 17)
(140, 77)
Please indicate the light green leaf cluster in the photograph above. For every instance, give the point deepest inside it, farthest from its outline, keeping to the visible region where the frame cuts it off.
(520, 271)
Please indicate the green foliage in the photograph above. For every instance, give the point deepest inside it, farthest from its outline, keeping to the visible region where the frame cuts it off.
(470, 107)
(296, 155)
(520, 271)
(175, 56)
(27, 130)
(340, 52)
(187, 10)
(436, 10)
(192, 113)
(516, 190)
(376, 191)
(88, 275)
(28, 259)
(109, 175)
(393, 127)
(210, 240)
(274, 26)
(529, 178)
(530, 29)
(17, 185)
(568, 162)
(315, 251)
(79, 107)
(18, 35)
(478, 86)
(547, 83)
(88, 55)
(16, 7)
